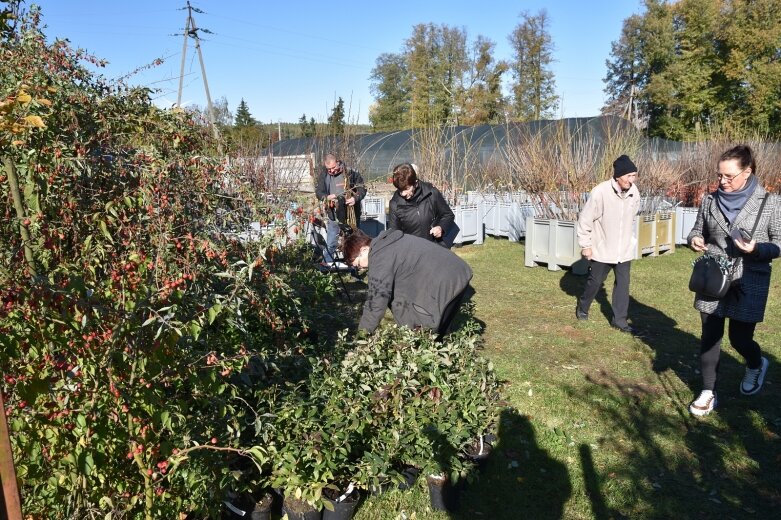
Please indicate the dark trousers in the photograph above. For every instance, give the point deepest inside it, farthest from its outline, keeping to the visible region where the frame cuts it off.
(451, 309)
(596, 277)
(741, 336)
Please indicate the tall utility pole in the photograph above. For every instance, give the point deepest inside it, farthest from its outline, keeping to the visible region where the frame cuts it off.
(191, 31)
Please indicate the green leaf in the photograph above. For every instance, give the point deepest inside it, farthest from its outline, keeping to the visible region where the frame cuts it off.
(149, 320)
(104, 229)
(258, 454)
(86, 463)
(194, 328)
(30, 197)
(213, 312)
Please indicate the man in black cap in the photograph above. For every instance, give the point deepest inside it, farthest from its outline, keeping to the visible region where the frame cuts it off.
(606, 236)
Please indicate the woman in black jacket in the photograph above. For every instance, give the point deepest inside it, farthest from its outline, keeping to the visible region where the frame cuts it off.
(418, 208)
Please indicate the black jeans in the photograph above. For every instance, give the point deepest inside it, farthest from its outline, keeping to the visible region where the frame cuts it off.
(741, 336)
(596, 277)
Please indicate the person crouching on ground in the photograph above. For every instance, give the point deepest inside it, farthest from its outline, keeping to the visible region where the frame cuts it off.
(421, 282)
(606, 235)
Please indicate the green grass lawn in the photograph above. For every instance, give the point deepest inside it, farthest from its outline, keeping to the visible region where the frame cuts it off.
(597, 424)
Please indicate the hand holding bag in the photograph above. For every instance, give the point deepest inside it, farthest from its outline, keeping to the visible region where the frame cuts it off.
(711, 274)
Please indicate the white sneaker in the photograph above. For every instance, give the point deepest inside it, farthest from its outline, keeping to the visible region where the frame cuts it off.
(704, 404)
(753, 379)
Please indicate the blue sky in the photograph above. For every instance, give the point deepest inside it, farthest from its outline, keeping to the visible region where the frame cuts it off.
(289, 58)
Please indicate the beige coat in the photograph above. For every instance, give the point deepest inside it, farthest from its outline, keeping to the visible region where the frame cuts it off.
(607, 223)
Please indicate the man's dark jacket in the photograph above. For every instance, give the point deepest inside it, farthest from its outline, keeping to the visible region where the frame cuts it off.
(355, 180)
(416, 277)
(426, 209)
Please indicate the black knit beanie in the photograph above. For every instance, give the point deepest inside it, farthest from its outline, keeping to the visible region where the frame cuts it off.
(622, 166)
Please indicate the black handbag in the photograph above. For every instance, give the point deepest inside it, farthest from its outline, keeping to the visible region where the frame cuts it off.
(711, 274)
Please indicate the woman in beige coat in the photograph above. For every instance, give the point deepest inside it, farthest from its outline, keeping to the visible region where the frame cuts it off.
(606, 235)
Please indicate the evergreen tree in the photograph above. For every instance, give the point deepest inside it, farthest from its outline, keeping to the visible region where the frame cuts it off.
(626, 73)
(534, 87)
(696, 62)
(307, 129)
(243, 116)
(336, 121)
(436, 62)
(683, 93)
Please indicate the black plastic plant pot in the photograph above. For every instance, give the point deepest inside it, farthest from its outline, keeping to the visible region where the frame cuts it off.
(262, 509)
(478, 452)
(410, 475)
(299, 510)
(343, 510)
(439, 492)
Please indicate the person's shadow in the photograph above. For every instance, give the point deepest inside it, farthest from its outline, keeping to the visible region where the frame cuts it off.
(673, 349)
(677, 350)
(519, 480)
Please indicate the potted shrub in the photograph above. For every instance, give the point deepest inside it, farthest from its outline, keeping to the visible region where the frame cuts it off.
(428, 401)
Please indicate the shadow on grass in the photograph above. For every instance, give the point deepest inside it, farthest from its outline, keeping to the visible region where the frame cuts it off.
(728, 465)
(520, 480)
(673, 348)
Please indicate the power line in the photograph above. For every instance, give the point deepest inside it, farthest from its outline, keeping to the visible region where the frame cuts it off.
(269, 45)
(304, 35)
(304, 58)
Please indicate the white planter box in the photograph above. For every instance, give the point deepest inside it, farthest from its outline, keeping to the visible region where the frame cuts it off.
(373, 207)
(684, 222)
(496, 218)
(553, 242)
(516, 220)
(469, 224)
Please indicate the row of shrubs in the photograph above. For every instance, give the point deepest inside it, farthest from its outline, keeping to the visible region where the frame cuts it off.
(396, 400)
